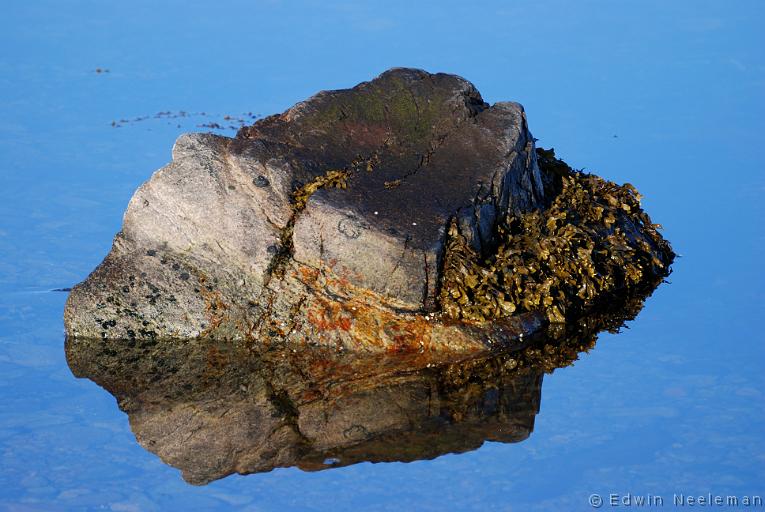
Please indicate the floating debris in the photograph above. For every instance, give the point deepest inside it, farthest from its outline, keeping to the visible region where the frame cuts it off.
(226, 123)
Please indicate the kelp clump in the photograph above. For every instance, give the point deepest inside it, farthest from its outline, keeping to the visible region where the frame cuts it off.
(591, 244)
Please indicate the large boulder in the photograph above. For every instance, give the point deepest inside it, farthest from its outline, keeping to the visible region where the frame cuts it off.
(402, 214)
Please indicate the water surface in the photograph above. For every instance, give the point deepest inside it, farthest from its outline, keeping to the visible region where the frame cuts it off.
(667, 96)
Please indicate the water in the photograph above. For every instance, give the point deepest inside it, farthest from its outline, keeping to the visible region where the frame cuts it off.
(667, 96)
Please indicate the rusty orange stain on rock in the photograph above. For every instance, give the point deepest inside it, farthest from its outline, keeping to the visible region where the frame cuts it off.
(329, 316)
(369, 321)
(308, 275)
(372, 326)
(215, 307)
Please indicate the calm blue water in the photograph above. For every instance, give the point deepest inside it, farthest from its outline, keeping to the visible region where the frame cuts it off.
(669, 96)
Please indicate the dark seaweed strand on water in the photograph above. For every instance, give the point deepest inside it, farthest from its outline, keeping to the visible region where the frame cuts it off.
(590, 245)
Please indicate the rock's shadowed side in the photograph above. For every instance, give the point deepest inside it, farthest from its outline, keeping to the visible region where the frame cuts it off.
(402, 214)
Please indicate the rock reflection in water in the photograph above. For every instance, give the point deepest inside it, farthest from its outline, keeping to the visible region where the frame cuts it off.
(212, 408)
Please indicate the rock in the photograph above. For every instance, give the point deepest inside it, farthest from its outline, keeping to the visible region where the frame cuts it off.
(332, 223)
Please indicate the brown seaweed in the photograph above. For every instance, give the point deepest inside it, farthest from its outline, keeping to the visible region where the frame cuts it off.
(593, 241)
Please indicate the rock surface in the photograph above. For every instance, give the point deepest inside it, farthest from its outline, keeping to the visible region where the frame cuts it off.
(330, 224)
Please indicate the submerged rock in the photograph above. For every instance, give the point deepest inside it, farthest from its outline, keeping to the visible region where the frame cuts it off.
(403, 214)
